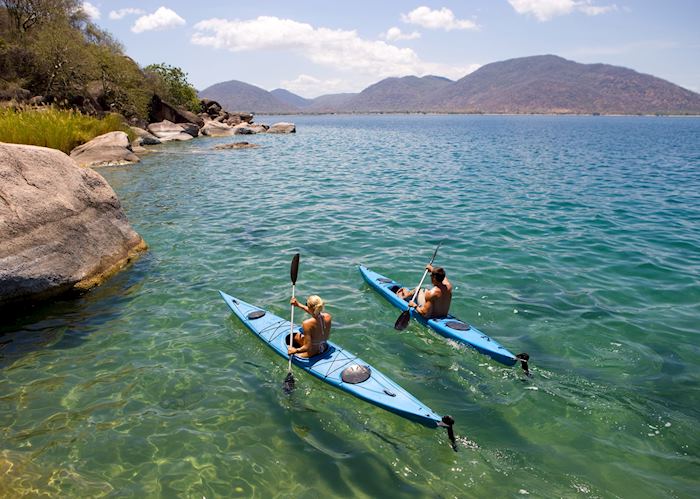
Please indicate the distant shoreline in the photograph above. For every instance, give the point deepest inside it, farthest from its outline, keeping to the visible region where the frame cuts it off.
(436, 113)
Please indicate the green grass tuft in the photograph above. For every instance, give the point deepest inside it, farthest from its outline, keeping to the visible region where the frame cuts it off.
(58, 129)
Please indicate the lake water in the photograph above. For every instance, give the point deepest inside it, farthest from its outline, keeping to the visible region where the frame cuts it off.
(575, 239)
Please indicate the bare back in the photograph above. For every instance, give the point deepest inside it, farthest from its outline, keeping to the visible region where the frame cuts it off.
(440, 298)
(316, 333)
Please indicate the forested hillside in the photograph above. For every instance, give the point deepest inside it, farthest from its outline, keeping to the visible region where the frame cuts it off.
(51, 53)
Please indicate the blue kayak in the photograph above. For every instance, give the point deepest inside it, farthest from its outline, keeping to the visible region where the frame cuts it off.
(337, 367)
(449, 326)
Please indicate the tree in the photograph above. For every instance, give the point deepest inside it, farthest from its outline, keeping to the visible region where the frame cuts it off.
(25, 14)
(172, 85)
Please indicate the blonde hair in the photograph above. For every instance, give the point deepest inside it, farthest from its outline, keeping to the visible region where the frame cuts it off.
(315, 304)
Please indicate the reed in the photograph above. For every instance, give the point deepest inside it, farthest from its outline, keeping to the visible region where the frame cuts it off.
(55, 128)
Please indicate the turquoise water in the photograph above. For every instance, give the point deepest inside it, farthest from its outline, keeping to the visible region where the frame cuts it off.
(576, 239)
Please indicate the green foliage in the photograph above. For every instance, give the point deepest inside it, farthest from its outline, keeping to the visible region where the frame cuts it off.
(51, 48)
(51, 127)
(173, 87)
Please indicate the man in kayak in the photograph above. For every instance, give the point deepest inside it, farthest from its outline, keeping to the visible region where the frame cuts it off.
(431, 303)
(315, 330)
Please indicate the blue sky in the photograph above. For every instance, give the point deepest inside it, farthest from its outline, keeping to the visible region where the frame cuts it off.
(317, 47)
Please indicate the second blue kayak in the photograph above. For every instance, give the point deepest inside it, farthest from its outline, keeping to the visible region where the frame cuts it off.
(450, 326)
(336, 366)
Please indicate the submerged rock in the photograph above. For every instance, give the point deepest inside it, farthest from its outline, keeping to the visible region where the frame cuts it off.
(111, 148)
(236, 145)
(62, 227)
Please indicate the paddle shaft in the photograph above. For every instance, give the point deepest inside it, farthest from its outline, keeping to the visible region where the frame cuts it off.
(291, 329)
(426, 272)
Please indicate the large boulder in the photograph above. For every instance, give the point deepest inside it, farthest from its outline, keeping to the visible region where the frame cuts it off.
(243, 129)
(190, 128)
(211, 107)
(167, 131)
(144, 138)
(217, 129)
(161, 111)
(282, 127)
(111, 148)
(62, 227)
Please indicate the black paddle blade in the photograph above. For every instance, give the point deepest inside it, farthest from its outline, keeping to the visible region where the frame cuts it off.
(294, 270)
(524, 358)
(289, 383)
(403, 320)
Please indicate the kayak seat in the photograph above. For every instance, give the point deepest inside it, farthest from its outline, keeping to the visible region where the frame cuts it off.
(310, 361)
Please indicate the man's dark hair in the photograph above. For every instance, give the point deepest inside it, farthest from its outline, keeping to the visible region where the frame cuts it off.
(438, 273)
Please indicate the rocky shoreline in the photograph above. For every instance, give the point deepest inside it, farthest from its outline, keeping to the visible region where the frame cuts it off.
(62, 227)
(171, 124)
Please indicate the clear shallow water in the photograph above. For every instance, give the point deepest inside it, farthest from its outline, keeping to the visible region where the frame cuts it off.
(576, 239)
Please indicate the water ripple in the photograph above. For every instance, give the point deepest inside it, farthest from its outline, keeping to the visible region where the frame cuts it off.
(574, 239)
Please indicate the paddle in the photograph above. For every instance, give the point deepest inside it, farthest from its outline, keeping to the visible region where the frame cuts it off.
(293, 272)
(405, 317)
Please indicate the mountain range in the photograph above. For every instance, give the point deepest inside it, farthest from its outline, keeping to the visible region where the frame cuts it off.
(543, 84)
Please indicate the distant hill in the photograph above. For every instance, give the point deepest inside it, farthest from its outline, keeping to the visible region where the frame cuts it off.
(330, 103)
(397, 94)
(551, 84)
(238, 96)
(292, 99)
(543, 84)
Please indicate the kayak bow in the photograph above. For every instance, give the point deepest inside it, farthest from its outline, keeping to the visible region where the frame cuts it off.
(338, 367)
(449, 327)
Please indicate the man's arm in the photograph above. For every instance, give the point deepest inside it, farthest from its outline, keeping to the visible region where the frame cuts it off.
(427, 307)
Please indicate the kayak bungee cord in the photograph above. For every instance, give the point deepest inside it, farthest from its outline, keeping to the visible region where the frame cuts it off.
(341, 369)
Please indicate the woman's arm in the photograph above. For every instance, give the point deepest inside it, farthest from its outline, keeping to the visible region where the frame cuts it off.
(306, 338)
(296, 303)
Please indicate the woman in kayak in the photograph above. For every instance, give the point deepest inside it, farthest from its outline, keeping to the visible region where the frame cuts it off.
(315, 331)
(431, 303)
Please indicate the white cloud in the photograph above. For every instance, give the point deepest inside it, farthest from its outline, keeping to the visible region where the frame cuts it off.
(335, 48)
(116, 15)
(306, 85)
(367, 60)
(544, 10)
(163, 18)
(437, 19)
(92, 11)
(393, 34)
